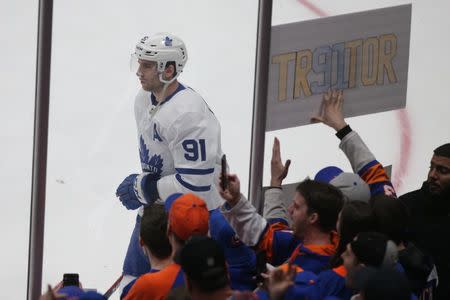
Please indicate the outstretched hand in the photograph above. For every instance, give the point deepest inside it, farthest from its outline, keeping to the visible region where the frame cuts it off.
(232, 193)
(279, 281)
(331, 110)
(278, 171)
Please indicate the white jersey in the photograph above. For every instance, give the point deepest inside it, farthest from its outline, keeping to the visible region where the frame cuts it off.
(179, 144)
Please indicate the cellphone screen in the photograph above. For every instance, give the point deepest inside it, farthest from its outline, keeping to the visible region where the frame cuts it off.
(224, 180)
(71, 279)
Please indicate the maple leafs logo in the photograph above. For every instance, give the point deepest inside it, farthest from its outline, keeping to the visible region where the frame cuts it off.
(156, 165)
(168, 42)
(143, 151)
(153, 165)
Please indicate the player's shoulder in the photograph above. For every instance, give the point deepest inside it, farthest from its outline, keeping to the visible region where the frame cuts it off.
(184, 109)
(186, 100)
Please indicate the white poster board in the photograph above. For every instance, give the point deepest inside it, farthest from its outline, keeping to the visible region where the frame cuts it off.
(365, 54)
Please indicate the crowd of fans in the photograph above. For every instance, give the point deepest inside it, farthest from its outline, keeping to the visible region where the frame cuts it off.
(346, 235)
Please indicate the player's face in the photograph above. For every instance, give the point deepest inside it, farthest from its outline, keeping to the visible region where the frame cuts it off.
(298, 210)
(148, 76)
(439, 175)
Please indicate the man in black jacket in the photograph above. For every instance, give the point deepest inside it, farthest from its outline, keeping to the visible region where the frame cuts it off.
(430, 217)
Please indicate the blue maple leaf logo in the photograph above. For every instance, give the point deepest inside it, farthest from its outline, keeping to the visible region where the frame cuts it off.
(143, 151)
(153, 165)
(168, 41)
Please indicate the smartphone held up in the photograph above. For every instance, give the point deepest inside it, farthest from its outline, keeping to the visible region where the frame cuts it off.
(223, 173)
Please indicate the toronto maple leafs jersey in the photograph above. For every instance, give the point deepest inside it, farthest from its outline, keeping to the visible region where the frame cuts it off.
(179, 144)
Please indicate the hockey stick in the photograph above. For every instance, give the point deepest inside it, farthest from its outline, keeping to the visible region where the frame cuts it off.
(113, 288)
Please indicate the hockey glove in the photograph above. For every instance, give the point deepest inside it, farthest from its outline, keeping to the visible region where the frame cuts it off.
(127, 194)
(137, 190)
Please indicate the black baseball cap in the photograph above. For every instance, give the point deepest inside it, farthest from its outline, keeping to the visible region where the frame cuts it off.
(203, 262)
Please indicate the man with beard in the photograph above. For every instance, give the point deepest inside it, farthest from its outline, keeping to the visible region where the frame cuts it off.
(430, 216)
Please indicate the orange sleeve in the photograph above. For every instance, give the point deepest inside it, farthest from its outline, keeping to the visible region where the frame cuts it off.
(374, 174)
(376, 177)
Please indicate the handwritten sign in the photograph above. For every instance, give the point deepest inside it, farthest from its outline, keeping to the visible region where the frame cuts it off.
(365, 54)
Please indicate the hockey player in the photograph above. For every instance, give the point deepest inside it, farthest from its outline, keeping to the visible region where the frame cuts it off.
(179, 138)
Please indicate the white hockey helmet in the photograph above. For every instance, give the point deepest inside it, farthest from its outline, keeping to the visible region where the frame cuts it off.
(162, 48)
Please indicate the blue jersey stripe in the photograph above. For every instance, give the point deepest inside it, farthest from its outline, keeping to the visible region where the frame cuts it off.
(194, 188)
(190, 171)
